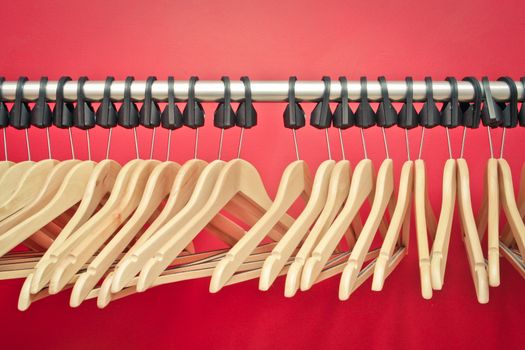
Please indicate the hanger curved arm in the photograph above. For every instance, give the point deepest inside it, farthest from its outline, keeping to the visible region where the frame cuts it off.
(12, 178)
(238, 177)
(383, 193)
(507, 236)
(397, 223)
(69, 193)
(100, 184)
(337, 194)
(510, 207)
(101, 226)
(294, 182)
(422, 227)
(361, 187)
(288, 244)
(470, 234)
(488, 220)
(29, 187)
(157, 188)
(439, 254)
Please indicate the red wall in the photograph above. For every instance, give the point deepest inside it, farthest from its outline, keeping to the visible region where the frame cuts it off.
(272, 40)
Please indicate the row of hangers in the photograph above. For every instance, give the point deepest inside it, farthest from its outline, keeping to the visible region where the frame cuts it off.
(106, 231)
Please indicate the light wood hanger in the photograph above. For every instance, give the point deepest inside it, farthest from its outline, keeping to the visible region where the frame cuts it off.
(488, 220)
(289, 242)
(99, 185)
(239, 175)
(383, 193)
(236, 177)
(102, 225)
(12, 178)
(400, 221)
(361, 187)
(295, 182)
(157, 188)
(439, 253)
(38, 200)
(28, 188)
(507, 237)
(70, 193)
(510, 208)
(470, 234)
(337, 193)
(425, 226)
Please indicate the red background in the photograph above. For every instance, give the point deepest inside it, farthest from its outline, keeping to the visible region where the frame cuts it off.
(272, 40)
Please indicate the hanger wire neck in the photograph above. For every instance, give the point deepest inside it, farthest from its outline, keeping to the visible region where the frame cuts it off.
(221, 138)
(342, 144)
(294, 133)
(27, 145)
(168, 147)
(383, 131)
(152, 146)
(421, 140)
(407, 144)
(328, 144)
(136, 143)
(5, 143)
(491, 147)
(88, 140)
(196, 145)
(108, 143)
(239, 147)
(71, 144)
(363, 142)
(503, 135)
(448, 143)
(463, 139)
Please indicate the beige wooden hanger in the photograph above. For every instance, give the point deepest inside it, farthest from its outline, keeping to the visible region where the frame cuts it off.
(510, 208)
(289, 242)
(507, 237)
(361, 187)
(99, 185)
(295, 182)
(70, 193)
(488, 220)
(439, 253)
(337, 194)
(248, 211)
(383, 195)
(102, 225)
(157, 188)
(235, 178)
(400, 221)
(470, 234)
(38, 200)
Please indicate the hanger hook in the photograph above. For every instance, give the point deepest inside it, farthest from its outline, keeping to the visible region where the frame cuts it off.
(510, 115)
(294, 114)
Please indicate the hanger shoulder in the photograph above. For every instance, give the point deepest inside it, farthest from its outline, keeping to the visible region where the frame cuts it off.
(12, 178)
(384, 190)
(402, 209)
(97, 229)
(32, 183)
(69, 193)
(156, 190)
(4, 166)
(420, 203)
(360, 187)
(293, 237)
(100, 183)
(438, 257)
(470, 234)
(507, 236)
(294, 182)
(510, 208)
(337, 193)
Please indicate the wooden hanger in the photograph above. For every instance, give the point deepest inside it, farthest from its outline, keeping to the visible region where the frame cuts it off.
(28, 188)
(46, 190)
(295, 182)
(425, 226)
(470, 234)
(289, 242)
(488, 220)
(157, 188)
(130, 266)
(361, 187)
(438, 259)
(400, 221)
(102, 225)
(12, 178)
(99, 185)
(236, 177)
(383, 193)
(507, 237)
(337, 193)
(510, 208)
(70, 193)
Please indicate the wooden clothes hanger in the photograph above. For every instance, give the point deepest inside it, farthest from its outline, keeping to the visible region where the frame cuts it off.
(133, 263)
